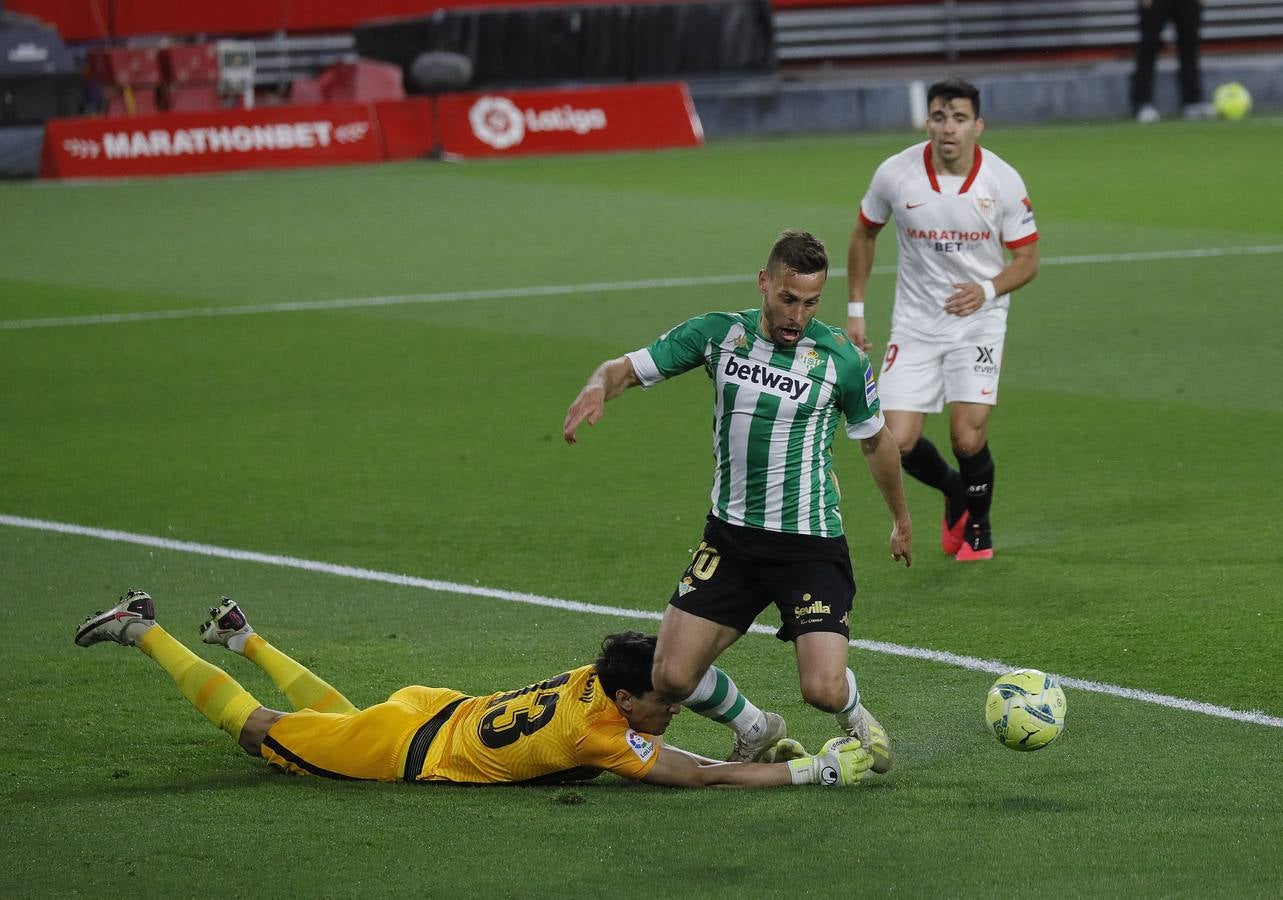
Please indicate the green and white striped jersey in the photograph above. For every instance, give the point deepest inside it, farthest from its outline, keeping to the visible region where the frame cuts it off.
(774, 415)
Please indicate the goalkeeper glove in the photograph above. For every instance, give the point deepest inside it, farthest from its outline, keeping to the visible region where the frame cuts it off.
(783, 751)
(841, 761)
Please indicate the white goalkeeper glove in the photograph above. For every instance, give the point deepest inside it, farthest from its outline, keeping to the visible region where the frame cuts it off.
(841, 761)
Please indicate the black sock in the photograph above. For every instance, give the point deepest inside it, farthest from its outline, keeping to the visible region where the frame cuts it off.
(977, 477)
(925, 463)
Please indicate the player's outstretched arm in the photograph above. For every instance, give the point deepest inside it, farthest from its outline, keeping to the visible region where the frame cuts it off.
(883, 459)
(859, 265)
(610, 379)
(678, 768)
(842, 762)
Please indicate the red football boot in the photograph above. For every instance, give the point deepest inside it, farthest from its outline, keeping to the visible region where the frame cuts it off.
(952, 537)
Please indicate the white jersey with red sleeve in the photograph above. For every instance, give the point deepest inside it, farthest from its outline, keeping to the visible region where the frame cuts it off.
(951, 229)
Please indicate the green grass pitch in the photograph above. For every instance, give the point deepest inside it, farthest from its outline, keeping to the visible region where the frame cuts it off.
(1136, 522)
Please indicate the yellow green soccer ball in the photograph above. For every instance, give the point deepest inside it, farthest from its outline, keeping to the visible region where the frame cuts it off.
(1026, 709)
(1232, 101)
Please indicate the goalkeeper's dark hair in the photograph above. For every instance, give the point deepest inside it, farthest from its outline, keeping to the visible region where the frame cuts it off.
(955, 89)
(625, 662)
(800, 251)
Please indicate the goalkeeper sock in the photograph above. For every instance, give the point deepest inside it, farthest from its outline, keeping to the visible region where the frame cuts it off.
(925, 463)
(295, 681)
(977, 477)
(716, 697)
(213, 692)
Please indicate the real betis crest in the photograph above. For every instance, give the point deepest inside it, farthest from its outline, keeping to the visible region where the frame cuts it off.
(811, 360)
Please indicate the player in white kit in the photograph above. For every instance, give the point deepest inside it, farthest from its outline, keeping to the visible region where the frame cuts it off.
(956, 208)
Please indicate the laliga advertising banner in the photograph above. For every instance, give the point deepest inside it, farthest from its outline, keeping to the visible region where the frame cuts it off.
(214, 141)
(633, 117)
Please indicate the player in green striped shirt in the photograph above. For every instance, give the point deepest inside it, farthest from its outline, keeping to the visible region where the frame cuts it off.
(782, 379)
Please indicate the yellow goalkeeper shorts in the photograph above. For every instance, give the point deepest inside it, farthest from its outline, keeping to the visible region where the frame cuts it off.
(370, 744)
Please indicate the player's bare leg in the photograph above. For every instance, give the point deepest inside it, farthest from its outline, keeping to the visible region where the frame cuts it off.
(687, 645)
(969, 427)
(923, 461)
(968, 430)
(829, 684)
(821, 670)
(684, 653)
(906, 426)
(256, 727)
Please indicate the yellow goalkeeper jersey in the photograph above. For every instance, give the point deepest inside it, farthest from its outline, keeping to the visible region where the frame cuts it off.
(562, 729)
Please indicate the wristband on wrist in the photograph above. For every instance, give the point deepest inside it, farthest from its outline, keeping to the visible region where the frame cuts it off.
(988, 288)
(855, 310)
(802, 771)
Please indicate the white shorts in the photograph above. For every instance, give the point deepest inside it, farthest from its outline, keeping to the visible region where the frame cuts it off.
(922, 376)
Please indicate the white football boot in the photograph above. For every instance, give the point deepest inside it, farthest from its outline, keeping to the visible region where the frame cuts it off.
(226, 621)
(124, 623)
(871, 735)
(752, 748)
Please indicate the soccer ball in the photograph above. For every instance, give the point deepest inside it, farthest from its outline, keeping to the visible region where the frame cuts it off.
(1232, 101)
(1026, 709)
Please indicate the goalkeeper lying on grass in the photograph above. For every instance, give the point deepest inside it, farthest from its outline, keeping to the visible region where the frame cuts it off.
(572, 727)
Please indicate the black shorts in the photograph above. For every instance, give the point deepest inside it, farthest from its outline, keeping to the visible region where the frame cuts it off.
(737, 572)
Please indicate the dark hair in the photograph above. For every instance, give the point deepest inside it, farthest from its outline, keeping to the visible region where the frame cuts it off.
(955, 89)
(800, 251)
(625, 662)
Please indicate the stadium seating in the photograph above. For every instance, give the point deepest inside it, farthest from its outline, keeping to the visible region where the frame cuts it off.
(363, 81)
(191, 77)
(128, 77)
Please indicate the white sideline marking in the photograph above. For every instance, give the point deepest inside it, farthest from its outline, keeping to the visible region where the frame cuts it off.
(1255, 717)
(547, 290)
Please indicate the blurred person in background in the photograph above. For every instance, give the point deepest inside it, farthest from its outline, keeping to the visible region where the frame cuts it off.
(1154, 16)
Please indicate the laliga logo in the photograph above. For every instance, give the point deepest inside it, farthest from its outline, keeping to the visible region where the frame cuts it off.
(497, 121)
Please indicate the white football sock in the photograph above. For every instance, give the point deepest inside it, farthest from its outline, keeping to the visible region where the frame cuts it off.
(716, 697)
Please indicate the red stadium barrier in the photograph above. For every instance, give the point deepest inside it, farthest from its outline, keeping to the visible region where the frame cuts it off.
(406, 127)
(635, 117)
(639, 117)
(215, 141)
(87, 20)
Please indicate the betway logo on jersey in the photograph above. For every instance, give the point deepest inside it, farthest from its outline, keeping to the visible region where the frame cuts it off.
(774, 381)
(226, 139)
(499, 122)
